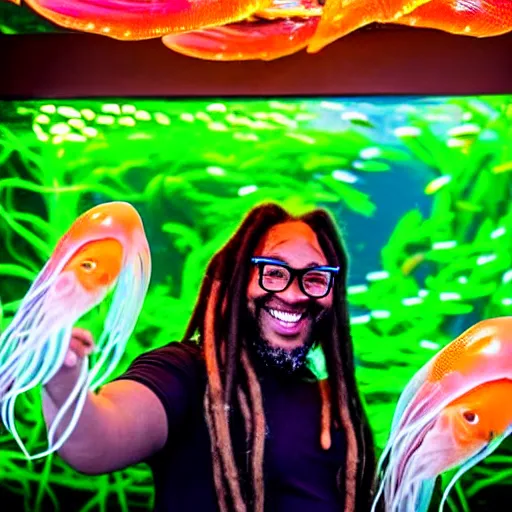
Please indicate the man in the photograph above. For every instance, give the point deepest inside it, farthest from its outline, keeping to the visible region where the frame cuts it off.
(237, 421)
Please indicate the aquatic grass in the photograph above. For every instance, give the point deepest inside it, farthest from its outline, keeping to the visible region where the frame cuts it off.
(447, 269)
(19, 19)
(95, 151)
(193, 169)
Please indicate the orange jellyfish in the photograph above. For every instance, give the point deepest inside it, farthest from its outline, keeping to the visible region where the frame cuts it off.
(227, 30)
(282, 29)
(454, 412)
(477, 18)
(104, 249)
(142, 19)
(341, 17)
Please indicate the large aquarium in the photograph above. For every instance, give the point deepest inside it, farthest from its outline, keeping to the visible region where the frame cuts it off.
(419, 186)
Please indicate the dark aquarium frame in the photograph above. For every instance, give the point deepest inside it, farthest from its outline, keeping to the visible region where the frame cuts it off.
(371, 62)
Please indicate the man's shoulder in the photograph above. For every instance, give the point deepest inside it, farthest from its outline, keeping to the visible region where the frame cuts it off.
(181, 356)
(176, 375)
(177, 351)
(187, 349)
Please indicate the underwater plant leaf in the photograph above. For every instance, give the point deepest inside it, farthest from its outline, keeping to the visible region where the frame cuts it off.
(25, 233)
(445, 264)
(405, 229)
(317, 161)
(353, 198)
(298, 205)
(154, 187)
(187, 238)
(16, 271)
(502, 167)
(495, 478)
(196, 262)
(411, 137)
(470, 293)
(452, 308)
(391, 154)
(439, 225)
(361, 121)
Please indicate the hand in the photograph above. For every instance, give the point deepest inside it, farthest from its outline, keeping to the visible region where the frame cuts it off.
(58, 388)
(80, 345)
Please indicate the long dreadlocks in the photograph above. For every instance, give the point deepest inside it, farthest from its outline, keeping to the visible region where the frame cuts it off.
(217, 318)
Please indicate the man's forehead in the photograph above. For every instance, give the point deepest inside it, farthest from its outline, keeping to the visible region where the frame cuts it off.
(289, 232)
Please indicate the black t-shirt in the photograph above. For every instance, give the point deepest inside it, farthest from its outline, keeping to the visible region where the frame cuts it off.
(299, 475)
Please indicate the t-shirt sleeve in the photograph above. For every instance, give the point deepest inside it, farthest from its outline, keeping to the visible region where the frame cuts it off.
(173, 373)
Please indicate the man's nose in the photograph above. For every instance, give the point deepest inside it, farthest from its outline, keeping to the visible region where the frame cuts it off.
(293, 294)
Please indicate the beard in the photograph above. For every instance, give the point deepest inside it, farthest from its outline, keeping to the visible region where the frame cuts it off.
(277, 359)
(287, 362)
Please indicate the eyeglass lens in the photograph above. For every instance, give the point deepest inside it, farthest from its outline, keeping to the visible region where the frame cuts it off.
(276, 278)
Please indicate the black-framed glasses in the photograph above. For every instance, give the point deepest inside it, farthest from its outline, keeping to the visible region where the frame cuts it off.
(276, 276)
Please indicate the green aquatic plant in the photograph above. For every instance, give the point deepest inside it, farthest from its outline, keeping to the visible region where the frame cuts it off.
(442, 272)
(20, 19)
(193, 169)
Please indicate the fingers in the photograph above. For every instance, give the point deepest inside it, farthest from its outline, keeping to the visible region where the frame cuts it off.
(71, 359)
(83, 335)
(80, 345)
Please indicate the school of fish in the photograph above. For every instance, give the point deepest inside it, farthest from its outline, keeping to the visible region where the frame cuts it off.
(104, 250)
(227, 30)
(454, 412)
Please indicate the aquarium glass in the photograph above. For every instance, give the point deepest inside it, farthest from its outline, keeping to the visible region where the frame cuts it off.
(420, 188)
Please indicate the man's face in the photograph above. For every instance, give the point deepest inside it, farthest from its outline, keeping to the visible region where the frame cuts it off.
(286, 318)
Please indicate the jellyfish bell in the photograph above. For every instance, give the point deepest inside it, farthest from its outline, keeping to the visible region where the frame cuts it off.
(283, 28)
(132, 20)
(342, 17)
(104, 250)
(465, 432)
(476, 18)
(482, 354)
(95, 267)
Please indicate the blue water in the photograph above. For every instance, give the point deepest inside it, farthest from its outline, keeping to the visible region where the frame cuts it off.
(395, 193)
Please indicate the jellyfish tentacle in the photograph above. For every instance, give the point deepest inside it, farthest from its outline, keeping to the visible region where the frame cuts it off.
(27, 348)
(399, 433)
(120, 321)
(39, 332)
(473, 461)
(409, 393)
(401, 456)
(431, 432)
(26, 380)
(78, 395)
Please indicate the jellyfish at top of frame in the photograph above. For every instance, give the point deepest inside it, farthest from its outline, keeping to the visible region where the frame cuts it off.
(105, 249)
(132, 20)
(454, 412)
(476, 18)
(342, 17)
(282, 29)
(465, 432)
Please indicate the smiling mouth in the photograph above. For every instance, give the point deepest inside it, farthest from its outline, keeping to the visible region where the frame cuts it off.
(286, 317)
(286, 324)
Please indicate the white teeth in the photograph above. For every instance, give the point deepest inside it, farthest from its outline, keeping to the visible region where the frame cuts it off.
(291, 318)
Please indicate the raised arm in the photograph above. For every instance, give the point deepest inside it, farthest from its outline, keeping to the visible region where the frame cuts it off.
(122, 424)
